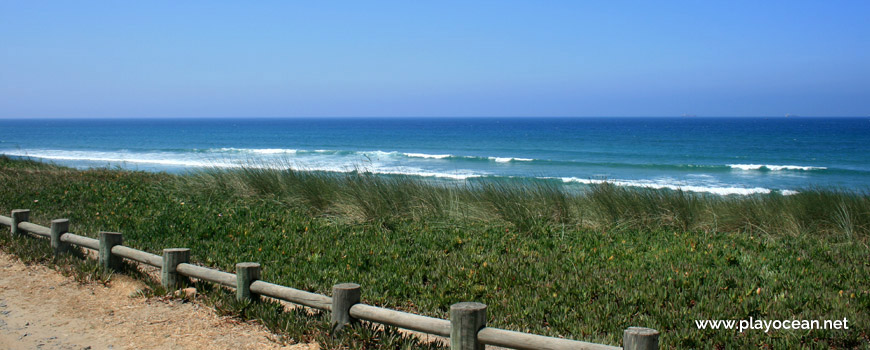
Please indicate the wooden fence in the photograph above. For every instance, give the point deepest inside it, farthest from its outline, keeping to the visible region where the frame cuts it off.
(466, 327)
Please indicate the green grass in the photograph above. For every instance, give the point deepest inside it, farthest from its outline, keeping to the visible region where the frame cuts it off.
(299, 325)
(546, 259)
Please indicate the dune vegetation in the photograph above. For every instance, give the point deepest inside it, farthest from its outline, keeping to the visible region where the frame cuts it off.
(545, 259)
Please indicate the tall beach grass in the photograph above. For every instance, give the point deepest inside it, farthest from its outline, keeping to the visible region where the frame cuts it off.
(539, 205)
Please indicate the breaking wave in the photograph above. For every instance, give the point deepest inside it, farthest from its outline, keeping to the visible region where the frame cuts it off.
(775, 167)
(401, 163)
(721, 190)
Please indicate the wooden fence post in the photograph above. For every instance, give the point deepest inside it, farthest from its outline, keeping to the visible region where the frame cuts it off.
(169, 277)
(344, 296)
(639, 338)
(58, 228)
(107, 241)
(18, 216)
(246, 273)
(466, 319)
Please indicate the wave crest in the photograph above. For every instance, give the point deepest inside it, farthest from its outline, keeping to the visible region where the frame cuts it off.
(720, 190)
(509, 159)
(769, 167)
(454, 157)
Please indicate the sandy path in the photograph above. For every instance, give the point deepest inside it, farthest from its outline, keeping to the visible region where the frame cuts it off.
(42, 309)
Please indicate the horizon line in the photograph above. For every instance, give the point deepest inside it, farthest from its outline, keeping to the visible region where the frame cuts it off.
(437, 116)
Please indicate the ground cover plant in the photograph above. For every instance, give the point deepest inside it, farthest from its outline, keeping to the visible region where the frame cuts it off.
(291, 326)
(547, 260)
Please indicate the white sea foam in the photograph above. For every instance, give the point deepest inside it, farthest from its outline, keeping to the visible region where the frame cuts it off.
(378, 154)
(721, 190)
(430, 156)
(257, 150)
(774, 167)
(374, 169)
(509, 159)
(274, 151)
(343, 164)
(371, 154)
(158, 158)
(198, 161)
(458, 175)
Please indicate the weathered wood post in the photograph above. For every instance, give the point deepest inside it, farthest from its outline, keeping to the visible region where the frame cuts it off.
(169, 277)
(246, 273)
(466, 319)
(344, 295)
(107, 241)
(18, 216)
(639, 338)
(58, 228)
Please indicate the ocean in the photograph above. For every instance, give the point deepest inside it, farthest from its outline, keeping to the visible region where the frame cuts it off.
(728, 156)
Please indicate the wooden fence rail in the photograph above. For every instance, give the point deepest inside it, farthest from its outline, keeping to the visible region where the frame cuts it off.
(466, 328)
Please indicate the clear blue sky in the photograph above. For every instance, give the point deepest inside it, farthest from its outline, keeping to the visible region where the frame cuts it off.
(433, 58)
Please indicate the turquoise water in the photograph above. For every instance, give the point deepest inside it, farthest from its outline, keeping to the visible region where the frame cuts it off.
(715, 155)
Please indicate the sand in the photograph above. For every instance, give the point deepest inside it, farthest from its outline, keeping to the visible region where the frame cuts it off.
(42, 309)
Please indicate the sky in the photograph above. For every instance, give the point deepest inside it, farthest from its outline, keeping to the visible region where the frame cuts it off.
(170, 59)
